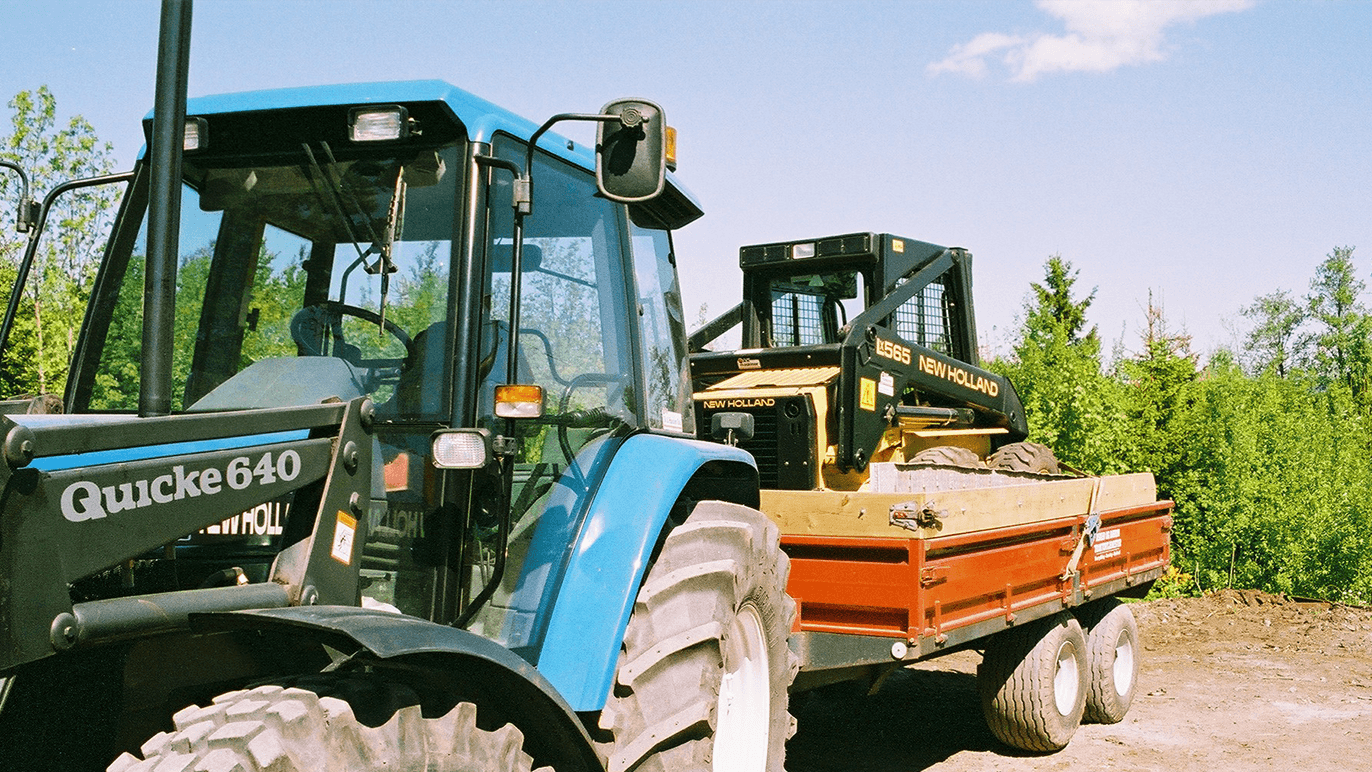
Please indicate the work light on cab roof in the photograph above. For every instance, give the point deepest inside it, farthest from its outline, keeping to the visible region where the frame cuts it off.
(197, 134)
(376, 124)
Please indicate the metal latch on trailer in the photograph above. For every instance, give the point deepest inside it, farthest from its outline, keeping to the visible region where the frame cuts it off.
(916, 517)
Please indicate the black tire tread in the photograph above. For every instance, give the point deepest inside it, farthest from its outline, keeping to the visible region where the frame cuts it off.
(278, 729)
(1015, 681)
(1024, 457)
(949, 455)
(661, 711)
(1105, 620)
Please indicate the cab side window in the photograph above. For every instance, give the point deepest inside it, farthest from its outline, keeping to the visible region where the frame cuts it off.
(573, 337)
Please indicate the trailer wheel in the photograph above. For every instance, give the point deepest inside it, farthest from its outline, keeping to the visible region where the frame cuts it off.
(949, 455)
(295, 730)
(1032, 681)
(1112, 660)
(704, 668)
(1024, 457)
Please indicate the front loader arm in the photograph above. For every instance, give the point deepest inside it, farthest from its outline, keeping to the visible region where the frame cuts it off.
(80, 494)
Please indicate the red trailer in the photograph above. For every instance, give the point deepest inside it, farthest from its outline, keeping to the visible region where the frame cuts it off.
(1027, 571)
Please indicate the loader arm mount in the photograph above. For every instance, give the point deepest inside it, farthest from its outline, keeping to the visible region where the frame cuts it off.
(83, 494)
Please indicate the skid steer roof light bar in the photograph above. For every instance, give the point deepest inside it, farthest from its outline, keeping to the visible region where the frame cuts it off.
(462, 449)
(849, 245)
(376, 124)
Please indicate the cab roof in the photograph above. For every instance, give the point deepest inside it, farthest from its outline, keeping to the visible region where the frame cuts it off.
(481, 118)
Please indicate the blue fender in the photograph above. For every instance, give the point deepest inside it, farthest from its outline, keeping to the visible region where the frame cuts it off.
(580, 648)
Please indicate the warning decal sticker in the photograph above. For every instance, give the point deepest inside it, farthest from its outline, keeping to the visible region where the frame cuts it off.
(343, 535)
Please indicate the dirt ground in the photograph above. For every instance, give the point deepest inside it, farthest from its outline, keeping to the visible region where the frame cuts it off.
(1234, 681)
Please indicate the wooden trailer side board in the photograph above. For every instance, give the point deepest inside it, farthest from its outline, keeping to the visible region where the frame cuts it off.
(864, 514)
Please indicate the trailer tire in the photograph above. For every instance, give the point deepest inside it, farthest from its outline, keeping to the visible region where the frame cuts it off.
(704, 669)
(286, 729)
(949, 455)
(1032, 682)
(1024, 457)
(1112, 661)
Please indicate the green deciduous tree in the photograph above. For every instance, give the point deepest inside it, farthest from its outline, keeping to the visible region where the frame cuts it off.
(40, 347)
(1273, 341)
(1268, 466)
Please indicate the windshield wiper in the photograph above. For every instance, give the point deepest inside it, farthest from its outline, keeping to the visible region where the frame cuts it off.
(395, 223)
(335, 197)
(381, 244)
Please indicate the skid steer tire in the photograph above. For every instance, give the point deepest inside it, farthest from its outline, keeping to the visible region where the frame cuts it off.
(280, 729)
(949, 455)
(1024, 457)
(1112, 659)
(1032, 681)
(704, 668)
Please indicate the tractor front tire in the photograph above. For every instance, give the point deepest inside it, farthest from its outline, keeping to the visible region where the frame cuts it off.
(704, 668)
(280, 729)
(1032, 681)
(1024, 457)
(1112, 659)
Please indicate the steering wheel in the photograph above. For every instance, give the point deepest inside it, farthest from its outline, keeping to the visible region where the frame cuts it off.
(310, 323)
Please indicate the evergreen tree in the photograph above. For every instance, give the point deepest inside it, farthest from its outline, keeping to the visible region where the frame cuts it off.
(1069, 403)
(1339, 346)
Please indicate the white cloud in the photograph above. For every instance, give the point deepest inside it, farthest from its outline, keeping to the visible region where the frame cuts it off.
(1101, 35)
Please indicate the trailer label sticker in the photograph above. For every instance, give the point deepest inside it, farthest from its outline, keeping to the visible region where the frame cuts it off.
(84, 500)
(343, 532)
(1107, 544)
(868, 397)
(941, 369)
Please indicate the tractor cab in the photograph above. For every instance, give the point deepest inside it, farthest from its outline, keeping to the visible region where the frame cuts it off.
(361, 242)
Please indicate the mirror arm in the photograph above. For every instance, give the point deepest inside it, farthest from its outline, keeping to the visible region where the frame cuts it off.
(524, 193)
(31, 250)
(26, 217)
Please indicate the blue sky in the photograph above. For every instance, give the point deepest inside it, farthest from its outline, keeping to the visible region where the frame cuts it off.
(1208, 152)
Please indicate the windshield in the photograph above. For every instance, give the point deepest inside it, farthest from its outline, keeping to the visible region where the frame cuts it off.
(808, 309)
(307, 277)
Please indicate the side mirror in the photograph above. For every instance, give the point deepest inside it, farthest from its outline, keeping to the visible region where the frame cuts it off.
(631, 153)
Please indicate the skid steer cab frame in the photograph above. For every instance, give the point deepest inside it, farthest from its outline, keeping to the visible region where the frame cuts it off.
(855, 348)
(431, 415)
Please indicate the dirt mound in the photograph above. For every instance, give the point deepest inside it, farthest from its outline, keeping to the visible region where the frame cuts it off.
(1234, 681)
(1248, 620)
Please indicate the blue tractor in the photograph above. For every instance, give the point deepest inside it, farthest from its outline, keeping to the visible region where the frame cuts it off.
(428, 495)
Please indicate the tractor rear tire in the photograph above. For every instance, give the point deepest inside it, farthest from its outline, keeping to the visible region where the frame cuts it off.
(280, 729)
(704, 668)
(1024, 457)
(949, 455)
(1112, 659)
(1032, 681)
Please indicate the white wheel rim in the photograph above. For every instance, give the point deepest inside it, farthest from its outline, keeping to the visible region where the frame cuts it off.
(1124, 665)
(745, 700)
(1066, 679)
